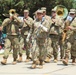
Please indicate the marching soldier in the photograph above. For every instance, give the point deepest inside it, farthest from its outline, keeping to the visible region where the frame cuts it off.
(49, 41)
(28, 21)
(55, 31)
(40, 32)
(69, 44)
(73, 40)
(11, 42)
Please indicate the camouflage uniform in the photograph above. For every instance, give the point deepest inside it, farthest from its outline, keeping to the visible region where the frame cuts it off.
(25, 30)
(55, 32)
(21, 46)
(68, 41)
(12, 41)
(48, 41)
(40, 36)
(73, 40)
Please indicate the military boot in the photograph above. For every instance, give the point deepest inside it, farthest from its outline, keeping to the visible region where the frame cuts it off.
(65, 61)
(55, 59)
(14, 62)
(4, 62)
(33, 65)
(41, 64)
(73, 61)
(28, 59)
(47, 60)
(37, 62)
(20, 59)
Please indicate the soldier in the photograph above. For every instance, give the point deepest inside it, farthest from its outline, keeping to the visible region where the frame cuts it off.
(73, 41)
(11, 42)
(45, 16)
(69, 35)
(49, 41)
(28, 21)
(55, 31)
(41, 29)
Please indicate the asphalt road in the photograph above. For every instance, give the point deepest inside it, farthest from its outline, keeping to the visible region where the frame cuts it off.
(48, 69)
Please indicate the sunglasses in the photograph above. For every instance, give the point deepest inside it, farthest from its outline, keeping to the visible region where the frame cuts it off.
(71, 13)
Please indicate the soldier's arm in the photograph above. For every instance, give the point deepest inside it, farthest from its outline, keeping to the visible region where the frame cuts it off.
(72, 28)
(5, 22)
(45, 26)
(29, 22)
(30, 33)
(17, 19)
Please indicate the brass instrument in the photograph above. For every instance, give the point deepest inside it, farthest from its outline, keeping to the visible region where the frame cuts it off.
(12, 11)
(61, 11)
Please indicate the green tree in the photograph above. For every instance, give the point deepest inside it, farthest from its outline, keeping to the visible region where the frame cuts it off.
(33, 5)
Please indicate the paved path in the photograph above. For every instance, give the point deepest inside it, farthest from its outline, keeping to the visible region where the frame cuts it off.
(48, 69)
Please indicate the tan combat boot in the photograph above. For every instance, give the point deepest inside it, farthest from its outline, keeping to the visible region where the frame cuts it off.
(65, 61)
(37, 62)
(40, 66)
(27, 60)
(73, 61)
(33, 65)
(55, 60)
(14, 62)
(4, 62)
(20, 59)
(47, 60)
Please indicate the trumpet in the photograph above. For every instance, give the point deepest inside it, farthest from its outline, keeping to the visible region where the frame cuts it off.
(12, 12)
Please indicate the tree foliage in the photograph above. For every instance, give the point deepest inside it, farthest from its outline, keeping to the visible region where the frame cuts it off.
(33, 5)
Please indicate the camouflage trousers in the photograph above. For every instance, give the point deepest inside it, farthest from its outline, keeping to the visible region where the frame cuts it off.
(49, 47)
(55, 43)
(67, 48)
(62, 52)
(21, 45)
(39, 50)
(27, 46)
(34, 50)
(11, 42)
(73, 45)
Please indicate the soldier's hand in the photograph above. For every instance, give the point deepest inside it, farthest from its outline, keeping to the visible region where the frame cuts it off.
(24, 20)
(70, 27)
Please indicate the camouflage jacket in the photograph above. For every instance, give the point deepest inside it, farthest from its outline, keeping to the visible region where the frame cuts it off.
(27, 26)
(12, 26)
(39, 32)
(57, 26)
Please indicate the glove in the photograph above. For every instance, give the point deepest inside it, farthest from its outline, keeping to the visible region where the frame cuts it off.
(27, 40)
(44, 28)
